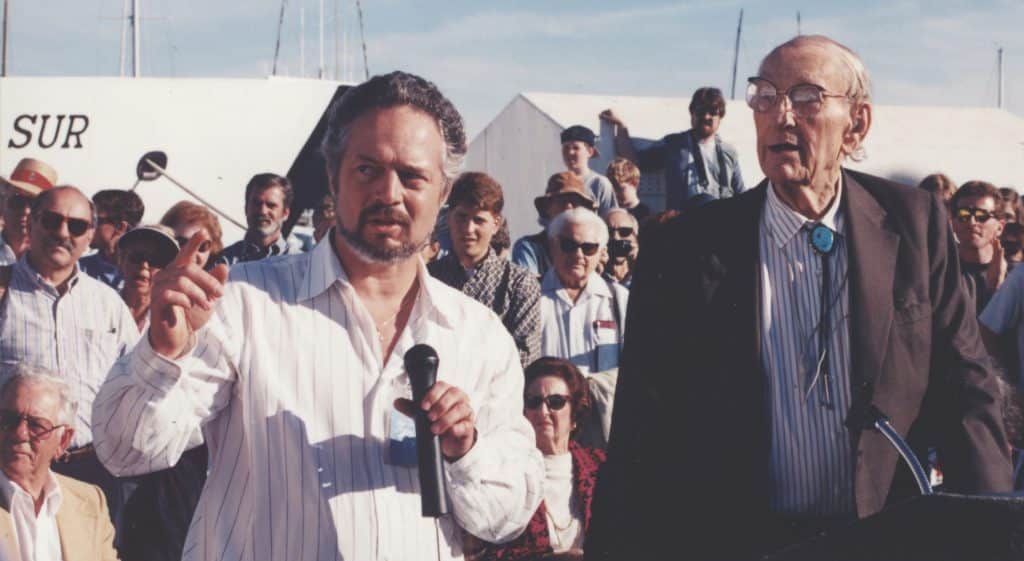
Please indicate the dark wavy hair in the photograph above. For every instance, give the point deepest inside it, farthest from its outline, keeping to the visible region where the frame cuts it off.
(579, 393)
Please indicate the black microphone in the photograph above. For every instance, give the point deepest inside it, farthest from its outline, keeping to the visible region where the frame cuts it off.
(421, 365)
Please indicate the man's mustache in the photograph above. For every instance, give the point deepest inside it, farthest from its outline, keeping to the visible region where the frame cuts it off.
(381, 211)
(65, 243)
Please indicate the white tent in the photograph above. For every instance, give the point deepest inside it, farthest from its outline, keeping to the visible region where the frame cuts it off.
(520, 147)
(217, 133)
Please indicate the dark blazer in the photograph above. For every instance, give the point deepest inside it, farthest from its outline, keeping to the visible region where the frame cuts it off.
(690, 433)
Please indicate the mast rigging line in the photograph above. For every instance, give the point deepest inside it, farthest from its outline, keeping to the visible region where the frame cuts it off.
(362, 38)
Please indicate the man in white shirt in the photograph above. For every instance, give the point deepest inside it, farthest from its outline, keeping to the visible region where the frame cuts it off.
(45, 516)
(293, 370)
(582, 315)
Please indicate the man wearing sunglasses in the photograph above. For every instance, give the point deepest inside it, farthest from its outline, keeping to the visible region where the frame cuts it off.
(762, 329)
(581, 314)
(977, 224)
(694, 161)
(59, 318)
(44, 515)
(30, 177)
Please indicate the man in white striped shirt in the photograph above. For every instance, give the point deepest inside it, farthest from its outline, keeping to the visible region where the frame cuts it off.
(293, 370)
(763, 327)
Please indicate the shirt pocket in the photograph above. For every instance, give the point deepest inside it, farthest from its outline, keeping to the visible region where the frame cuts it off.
(606, 345)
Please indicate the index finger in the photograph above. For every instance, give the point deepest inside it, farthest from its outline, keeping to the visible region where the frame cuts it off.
(187, 254)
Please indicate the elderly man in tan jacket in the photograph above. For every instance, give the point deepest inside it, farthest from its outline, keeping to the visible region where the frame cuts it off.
(45, 516)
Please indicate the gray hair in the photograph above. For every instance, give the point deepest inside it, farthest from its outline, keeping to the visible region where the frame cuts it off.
(579, 217)
(859, 90)
(37, 375)
(617, 210)
(394, 90)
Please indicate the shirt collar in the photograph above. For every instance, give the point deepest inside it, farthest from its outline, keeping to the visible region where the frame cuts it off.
(325, 269)
(784, 223)
(24, 268)
(51, 492)
(485, 263)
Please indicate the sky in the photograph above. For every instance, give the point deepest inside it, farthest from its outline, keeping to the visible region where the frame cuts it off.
(482, 53)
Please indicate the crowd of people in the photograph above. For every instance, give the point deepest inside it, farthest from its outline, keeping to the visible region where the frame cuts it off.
(168, 396)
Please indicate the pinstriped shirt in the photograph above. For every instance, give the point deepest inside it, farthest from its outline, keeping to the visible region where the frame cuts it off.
(811, 464)
(78, 335)
(289, 386)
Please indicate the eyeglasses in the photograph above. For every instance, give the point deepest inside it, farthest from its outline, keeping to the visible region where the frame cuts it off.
(104, 220)
(203, 247)
(18, 202)
(38, 428)
(980, 215)
(623, 232)
(52, 222)
(570, 246)
(138, 256)
(805, 99)
(713, 111)
(555, 402)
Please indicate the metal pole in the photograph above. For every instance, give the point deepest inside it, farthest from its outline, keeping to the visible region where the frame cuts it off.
(136, 40)
(362, 37)
(798, 31)
(277, 45)
(3, 57)
(302, 39)
(320, 72)
(736, 54)
(999, 97)
(122, 48)
(163, 172)
(337, 22)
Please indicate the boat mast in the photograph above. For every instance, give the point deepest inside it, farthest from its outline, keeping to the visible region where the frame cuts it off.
(999, 92)
(736, 54)
(122, 50)
(3, 56)
(277, 45)
(136, 40)
(362, 38)
(320, 71)
(302, 39)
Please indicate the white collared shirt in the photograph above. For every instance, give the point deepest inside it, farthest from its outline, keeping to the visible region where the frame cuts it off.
(587, 332)
(37, 534)
(811, 464)
(290, 388)
(77, 335)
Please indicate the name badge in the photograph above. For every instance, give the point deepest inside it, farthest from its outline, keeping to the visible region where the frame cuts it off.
(604, 324)
(402, 440)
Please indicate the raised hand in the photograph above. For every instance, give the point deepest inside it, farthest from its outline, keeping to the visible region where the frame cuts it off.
(612, 117)
(995, 274)
(183, 299)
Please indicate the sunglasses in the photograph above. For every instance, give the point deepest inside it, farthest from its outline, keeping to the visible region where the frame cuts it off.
(18, 202)
(203, 247)
(554, 401)
(570, 246)
(623, 232)
(713, 111)
(52, 222)
(980, 215)
(138, 256)
(38, 428)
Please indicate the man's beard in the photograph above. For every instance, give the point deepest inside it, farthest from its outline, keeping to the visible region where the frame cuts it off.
(374, 254)
(265, 231)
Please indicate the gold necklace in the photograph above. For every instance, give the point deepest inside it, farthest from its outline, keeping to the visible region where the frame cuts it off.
(379, 327)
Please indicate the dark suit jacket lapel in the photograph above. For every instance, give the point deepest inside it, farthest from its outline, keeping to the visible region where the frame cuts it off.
(871, 264)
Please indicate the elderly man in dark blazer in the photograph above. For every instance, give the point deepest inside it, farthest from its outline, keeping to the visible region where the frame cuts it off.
(762, 326)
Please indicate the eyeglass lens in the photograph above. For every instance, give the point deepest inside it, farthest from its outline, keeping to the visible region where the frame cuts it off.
(554, 401)
(570, 246)
(52, 221)
(37, 427)
(980, 215)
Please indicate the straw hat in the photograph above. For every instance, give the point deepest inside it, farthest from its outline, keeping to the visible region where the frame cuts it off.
(31, 177)
(561, 184)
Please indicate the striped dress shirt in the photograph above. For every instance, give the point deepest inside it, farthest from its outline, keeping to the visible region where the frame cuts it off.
(288, 384)
(811, 464)
(587, 332)
(78, 335)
